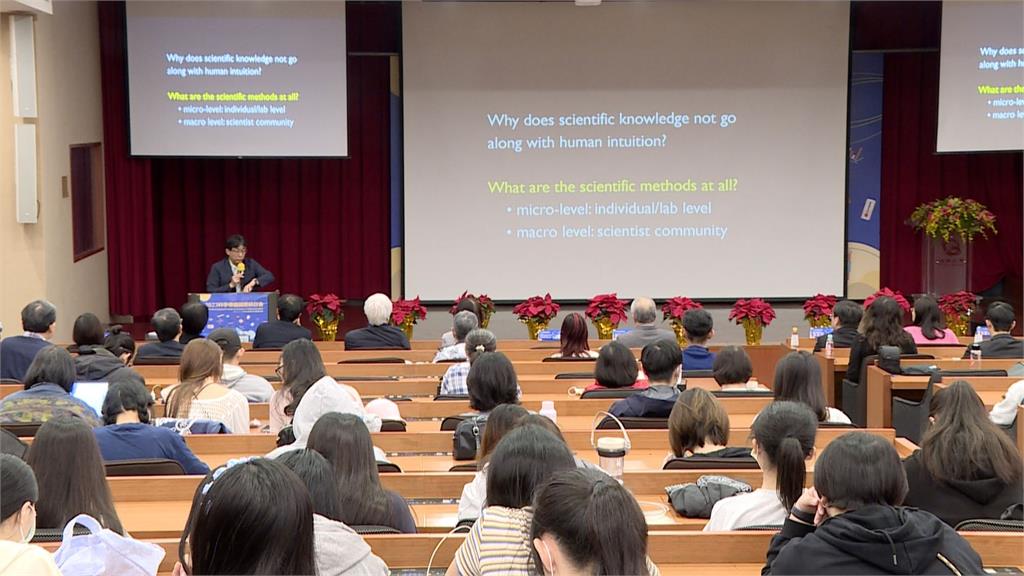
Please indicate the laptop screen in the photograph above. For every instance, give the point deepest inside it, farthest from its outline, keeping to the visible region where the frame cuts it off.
(92, 393)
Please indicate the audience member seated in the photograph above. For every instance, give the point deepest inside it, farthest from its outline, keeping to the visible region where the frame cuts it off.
(501, 421)
(478, 341)
(378, 334)
(1005, 412)
(462, 324)
(616, 368)
(577, 513)
(17, 352)
(72, 481)
(499, 542)
(120, 344)
(339, 550)
(194, 316)
(278, 333)
(660, 361)
(167, 325)
(573, 339)
(927, 324)
(966, 467)
(999, 318)
(645, 325)
(492, 382)
(782, 443)
(883, 326)
(255, 388)
(18, 496)
(698, 427)
(798, 379)
(252, 516)
(470, 304)
(846, 317)
(850, 522)
(200, 393)
(344, 440)
(733, 371)
(47, 392)
(699, 328)
(94, 363)
(128, 435)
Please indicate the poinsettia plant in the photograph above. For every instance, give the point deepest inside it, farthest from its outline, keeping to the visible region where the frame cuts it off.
(957, 303)
(754, 309)
(485, 302)
(607, 306)
(674, 308)
(407, 311)
(818, 309)
(536, 308)
(952, 216)
(326, 308)
(889, 293)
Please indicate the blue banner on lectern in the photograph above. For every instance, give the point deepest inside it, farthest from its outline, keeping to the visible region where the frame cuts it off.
(243, 312)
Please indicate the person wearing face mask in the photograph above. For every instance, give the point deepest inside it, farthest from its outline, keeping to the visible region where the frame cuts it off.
(18, 495)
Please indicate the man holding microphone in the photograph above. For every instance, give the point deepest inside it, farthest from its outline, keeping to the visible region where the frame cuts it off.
(236, 273)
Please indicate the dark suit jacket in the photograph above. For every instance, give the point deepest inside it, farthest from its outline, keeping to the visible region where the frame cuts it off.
(277, 333)
(384, 337)
(17, 354)
(169, 349)
(842, 337)
(1000, 346)
(220, 275)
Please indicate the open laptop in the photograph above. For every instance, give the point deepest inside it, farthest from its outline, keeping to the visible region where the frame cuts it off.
(92, 393)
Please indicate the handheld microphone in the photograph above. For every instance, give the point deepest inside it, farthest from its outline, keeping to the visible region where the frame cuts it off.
(241, 267)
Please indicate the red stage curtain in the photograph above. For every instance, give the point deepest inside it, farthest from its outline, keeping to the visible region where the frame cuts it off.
(320, 225)
(913, 173)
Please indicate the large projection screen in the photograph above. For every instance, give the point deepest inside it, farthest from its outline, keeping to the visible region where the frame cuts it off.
(981, 76)
(237, 78)
(657, 148)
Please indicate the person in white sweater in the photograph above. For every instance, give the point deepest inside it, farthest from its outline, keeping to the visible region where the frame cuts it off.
(1005, 412)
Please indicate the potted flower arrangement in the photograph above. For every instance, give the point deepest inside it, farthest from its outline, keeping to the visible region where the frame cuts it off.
(953, 217)
(818, 310)
(486, 307)
(406, 313)
(957, 307)
(673, 310)
(536, 312)
(326, 313)
(753, 315)
(888, 293)
(606, 311)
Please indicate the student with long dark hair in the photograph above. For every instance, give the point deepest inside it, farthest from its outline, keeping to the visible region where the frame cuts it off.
(491, 382)
(344, 440)
(252, 516)
(18, 496)
(616, 368)
(72, 481)
(47, 392)
(339, 550)
(499, 542)
(200, 393)
(783, 442)
(573, 340)
(798, 379)
(882, 326)
(577, 513)
(928, 326)
(127, 433)
(500, 422)
(851, 522)
(120, 344)
(698, 427)
(967, 467)
(300, 367)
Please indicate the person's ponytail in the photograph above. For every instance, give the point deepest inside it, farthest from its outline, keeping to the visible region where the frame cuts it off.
(790, 469)
(785, 434)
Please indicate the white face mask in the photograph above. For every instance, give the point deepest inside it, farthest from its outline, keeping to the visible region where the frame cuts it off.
(26, 538)
(547, 552)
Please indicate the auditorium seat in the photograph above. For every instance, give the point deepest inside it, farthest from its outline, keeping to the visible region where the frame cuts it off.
(634, 423)
(144, 467)
(702, 463)
(574, 375)
(388, 468)
(22, 430)
(990, 525)
(392, 426)
(374, 529)
(910, 417)
(380, 360)
(609, 393)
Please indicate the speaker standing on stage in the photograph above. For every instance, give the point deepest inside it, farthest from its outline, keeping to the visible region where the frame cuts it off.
(236, 273)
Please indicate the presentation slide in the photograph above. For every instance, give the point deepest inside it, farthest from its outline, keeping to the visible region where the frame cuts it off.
(981, 76)
(237, 78)
(658, 148)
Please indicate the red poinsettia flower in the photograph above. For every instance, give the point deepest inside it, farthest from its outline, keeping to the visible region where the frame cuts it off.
(818, 306)
(957, 303)
(674, 308)
(888, 293)
(541, 308)
(754, 309)
(328, 306)
(485, 302)
(607, 306)
(401, 310)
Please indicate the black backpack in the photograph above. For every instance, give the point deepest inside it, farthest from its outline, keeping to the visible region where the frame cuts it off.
(466, 440)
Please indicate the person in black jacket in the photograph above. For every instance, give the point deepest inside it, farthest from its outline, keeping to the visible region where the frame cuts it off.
(851, 522)
(378, 335)
(884, 327)
(236, 273)
(662, 364)
(967, 467)
(846, 317)
(167, 325)
(1000, 321)
(277, 333)
(194, 316)
(94, 363)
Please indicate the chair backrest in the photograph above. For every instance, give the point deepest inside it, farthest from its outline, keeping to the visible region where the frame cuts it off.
(381, 360)
(467, 467)
(910, 417)
(699, 463)
(388, 468)
(144, 467)
(444, 397)
(574, 375)
(990, 525)
(10, 444)
(373, 529)
(158, 361)
(855, 396)
(450, 423)
(392, 426)
(835, 425)
(10, 381)
(742, 393)
(22, 429)
(573, 359)
(761, 528)
(697, 374)
(56, 534)
(634, 423)
(610, 393)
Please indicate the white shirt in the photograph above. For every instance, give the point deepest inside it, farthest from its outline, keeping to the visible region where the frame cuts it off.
(232, 409)
(1005, 412)
(758, 508)
(474, 494)
(836, 416)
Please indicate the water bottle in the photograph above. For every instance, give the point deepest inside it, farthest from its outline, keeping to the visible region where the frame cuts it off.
(829, 347)
(794, 338)
(547, 409)
(611, 453)
(976, 347)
